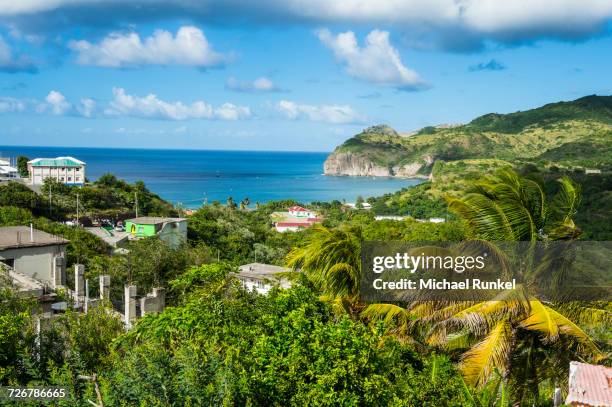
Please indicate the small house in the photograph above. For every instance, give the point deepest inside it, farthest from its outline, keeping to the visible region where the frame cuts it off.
(171, 230)
(34, 254)
(261, 277)
(7, 171)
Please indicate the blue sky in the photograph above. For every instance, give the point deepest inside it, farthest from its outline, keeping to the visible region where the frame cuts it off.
(288, 75)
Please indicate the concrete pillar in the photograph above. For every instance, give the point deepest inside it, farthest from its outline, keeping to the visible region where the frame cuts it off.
(557, 398)
(58, 275)
(130, 305)
(105, 281)
(86, 303)
(153, 303)
(160, 294)
(79, 281)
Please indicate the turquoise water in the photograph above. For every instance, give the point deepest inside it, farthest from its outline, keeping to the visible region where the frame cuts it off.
(193, 177)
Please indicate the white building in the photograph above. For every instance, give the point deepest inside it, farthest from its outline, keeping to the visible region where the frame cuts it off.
(353, 205)
(299, 212)
(262, 277)
(391, 217)
(67, 170)
(7, 171)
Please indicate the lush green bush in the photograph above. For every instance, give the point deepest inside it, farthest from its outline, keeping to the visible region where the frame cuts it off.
(226, 346)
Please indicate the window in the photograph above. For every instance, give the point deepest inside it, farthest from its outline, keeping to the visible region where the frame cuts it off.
(69, 178)
(78, 169)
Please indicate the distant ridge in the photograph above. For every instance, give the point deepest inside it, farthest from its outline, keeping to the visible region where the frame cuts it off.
(574, 133)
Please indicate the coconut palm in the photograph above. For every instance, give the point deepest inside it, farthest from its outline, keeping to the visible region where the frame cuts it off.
(331, 260)
(516, 334)
(230, 203)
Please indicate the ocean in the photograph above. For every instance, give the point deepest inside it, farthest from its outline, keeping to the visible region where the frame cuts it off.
(193, 177)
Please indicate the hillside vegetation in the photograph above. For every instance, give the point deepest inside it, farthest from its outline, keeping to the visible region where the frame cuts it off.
(557, 139)
(565, 134)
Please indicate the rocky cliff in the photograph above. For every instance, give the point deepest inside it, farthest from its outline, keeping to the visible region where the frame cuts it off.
(355, 164)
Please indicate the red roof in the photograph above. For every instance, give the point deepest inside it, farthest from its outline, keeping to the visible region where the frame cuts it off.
(589, 385)
(298, 209)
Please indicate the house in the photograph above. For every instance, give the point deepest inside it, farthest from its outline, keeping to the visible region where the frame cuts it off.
(7, 171)
(294, 219)
(592, 171)
(353, 205)
(261, 277)
(589, 385)
(67, 170)
(432, 220)
(299, 212)
(34, 254)
(171, 230)
(391, 217)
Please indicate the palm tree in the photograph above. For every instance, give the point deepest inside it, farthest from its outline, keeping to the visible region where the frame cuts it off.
(516, 335)
(331, 259)
(244, 203)
(231, 204)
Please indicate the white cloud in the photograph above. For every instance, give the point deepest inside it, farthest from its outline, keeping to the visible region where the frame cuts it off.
(229, 111)
(55, 103)
(188, 47)
(338, 114)
(10, 105)
(261, 84)
(376, 62)
(14, 63)
(87, 107)
(151, 106)
(124, 104)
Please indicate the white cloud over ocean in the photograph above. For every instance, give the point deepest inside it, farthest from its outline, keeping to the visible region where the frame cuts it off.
(377, 61)
(150, 106)
(261, 84)
(336, 114)
(123, 49)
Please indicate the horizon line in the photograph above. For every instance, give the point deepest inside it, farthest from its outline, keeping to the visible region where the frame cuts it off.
(168, 148)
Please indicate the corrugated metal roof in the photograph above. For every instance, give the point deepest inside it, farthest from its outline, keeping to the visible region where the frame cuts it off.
(12, 237)
(589, 385)
(56, 162)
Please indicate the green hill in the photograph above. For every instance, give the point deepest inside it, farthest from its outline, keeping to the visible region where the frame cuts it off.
(565, 134)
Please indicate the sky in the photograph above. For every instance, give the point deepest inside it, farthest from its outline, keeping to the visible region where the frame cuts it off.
(291, 75)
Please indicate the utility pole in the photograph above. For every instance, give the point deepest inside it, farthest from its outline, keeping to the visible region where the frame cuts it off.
(49, 200)
(136, 202)
(77, 209)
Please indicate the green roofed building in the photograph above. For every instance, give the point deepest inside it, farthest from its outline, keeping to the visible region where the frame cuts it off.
(67, 170)
(171, 230)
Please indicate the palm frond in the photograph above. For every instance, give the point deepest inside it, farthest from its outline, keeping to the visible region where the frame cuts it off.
(541, 320)
(492, 352)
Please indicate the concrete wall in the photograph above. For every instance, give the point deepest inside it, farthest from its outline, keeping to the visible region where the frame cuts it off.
(174, 233)
(36, 262)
